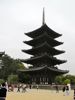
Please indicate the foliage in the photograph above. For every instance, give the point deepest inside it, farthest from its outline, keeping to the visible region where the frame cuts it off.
(65, 79)
(12, 79)
(59, 79)
(24, 78)
(10, 66)
(1, 81)
(71, 78)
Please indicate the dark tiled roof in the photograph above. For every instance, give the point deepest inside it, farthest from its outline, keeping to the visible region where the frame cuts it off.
(43, 47)
(43, 28)
(54, 69)
(44, 57)
(42, 38)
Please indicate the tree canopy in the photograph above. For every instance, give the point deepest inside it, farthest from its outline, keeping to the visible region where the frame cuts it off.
(65, 79)
(10, 66)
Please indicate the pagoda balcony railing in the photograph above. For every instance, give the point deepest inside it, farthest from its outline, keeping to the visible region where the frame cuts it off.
(44, 64)
(40, 54)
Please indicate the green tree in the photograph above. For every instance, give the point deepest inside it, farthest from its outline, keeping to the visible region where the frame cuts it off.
(71, 78)
(12, 79)
(59, 80)
(24, 78)
(64, 79)
(10, 66)
(67, 81)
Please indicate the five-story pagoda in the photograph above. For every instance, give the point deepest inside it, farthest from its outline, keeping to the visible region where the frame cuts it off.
(43, 61)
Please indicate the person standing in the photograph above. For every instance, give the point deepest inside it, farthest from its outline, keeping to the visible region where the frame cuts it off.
(67, 90)
(24, 88)
(74, 94)
(30, 86)
(37, 86)
(18, 88)
(69, 86)
(57, 89)
(64, 89)
(3, 92)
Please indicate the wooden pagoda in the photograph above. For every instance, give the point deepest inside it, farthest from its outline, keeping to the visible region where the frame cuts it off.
(44, 63)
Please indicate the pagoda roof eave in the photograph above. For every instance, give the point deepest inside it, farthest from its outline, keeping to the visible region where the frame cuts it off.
(45, 67)
(44, 27)
(44, 57)
(44, 37)
(42, 47)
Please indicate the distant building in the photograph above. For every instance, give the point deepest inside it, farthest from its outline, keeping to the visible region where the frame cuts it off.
(44, 63)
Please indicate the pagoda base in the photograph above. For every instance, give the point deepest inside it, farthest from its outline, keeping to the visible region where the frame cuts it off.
(41, 75)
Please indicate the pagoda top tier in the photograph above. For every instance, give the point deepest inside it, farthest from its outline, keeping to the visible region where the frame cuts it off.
(43, 29)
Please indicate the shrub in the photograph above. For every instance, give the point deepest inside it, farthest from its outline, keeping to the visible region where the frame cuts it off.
(12, 79)
(67, 81)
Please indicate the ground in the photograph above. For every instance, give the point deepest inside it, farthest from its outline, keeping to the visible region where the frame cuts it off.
(34, 94)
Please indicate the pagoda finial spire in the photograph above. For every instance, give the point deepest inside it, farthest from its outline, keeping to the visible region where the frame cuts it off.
(43, 20)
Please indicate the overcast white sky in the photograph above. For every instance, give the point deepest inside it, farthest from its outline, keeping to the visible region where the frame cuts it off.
(19, 16)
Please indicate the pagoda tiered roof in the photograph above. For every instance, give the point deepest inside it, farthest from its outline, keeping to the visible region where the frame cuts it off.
(45, 58)
(41, 30)
(42, 38)
(42, 48)
(43, 62)
(51, 69)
